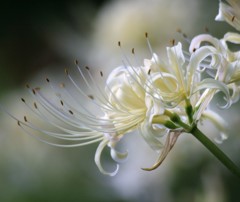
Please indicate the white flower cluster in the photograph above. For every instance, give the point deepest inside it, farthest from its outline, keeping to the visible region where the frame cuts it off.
(162, 98)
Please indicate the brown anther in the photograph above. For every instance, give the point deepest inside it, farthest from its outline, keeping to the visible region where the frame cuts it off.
(146, 34)
(172, 42)
(87, 68)
(76, 62)
(23, 100)
(18, 122)
(101, 73)
(47, 79)
(27, 85)
(119, 43)
(66, 71)
(149, 71)
(70, 111)
(233, 18)
(91, 97)
(35, 105)
(194, 49)
(133, 51)
(61, 102)
(206, 29)
(25, 118)
(35, 89)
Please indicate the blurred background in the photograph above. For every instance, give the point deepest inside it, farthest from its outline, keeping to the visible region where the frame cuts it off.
(39, 39)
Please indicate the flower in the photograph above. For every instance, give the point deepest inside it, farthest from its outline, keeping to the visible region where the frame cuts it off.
(162, 99)
(230, 13)
(172, 95)
(228, 70)
(75, 118)
(148, 96)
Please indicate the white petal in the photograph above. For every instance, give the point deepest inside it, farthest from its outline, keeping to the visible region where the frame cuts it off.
(168, 145)
(195, 61)
(217, 85)
(118, 156)
(97, 159)
(176, 62)
(152, 135)
(229, 13)
(219, 122)
(197, 40)
(220, 16)
(232, 37)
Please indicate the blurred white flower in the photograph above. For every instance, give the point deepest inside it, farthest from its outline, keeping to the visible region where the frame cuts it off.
(161, 99)
(228, 70)
(128, 20)
(230, 13)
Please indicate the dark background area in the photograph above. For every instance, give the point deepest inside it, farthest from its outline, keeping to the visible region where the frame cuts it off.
(25, 46)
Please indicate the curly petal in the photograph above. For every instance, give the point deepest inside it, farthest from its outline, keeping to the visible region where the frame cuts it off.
(97, 159)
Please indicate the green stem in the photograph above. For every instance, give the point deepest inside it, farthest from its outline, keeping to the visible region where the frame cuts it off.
(215, 150)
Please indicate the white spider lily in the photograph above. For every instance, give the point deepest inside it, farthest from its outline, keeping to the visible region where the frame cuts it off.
(154, 98)
(176, 82)
(73, 118)
(77, 118)
(126, 87)
(171, 87)
(230, 13)
(228, 70)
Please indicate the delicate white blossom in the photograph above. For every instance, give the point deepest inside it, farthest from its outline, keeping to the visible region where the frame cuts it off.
(230, 13)
(228, 70)
(162, 99)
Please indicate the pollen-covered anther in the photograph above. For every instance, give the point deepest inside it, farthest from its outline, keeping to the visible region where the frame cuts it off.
(146, 34)
(133, 51)
(25, 118)
(233, 18)
(91, 97)
(33, 91)
(172, 42)
(149, 71)
(35, 105)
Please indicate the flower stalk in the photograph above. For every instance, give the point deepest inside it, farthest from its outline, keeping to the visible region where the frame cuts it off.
(193, 129)
(219, 154)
